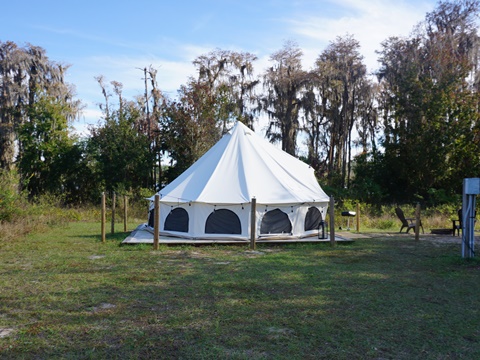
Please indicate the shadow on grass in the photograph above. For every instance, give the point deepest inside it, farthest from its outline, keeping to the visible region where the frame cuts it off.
(393, 298)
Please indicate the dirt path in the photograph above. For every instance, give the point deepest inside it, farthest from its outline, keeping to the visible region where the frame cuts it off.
(428, 237)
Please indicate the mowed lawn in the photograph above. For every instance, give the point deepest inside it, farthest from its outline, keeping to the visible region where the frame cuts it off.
(66, 295)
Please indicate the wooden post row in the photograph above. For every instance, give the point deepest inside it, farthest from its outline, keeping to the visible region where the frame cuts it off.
(104, 217)
(114, 200)
(156, 226)
(332, 221)
(417, 222)
(358, 217)
(125, 212)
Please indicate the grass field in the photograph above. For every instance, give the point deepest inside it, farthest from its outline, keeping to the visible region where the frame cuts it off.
(66, 295)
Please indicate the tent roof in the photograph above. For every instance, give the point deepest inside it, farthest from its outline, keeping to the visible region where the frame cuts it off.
(240, 166)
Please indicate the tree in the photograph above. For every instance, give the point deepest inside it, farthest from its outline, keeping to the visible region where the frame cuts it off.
(191, 119)
(11, 63)
(206, 107)
(227, 78)
(429, 104)
(45, 139)
(26, 74)
(343, 98)
(119, 148)
(284, 83)
(153, 120)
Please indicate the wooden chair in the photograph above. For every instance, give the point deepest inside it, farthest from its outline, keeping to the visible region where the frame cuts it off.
(457, 224)
(408, 223)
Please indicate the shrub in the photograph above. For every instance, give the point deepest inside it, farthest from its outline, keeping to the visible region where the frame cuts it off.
(385, 224)
(12, 201)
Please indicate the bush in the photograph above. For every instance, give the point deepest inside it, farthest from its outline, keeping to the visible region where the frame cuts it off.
(376, 217)
(385, 224)
(12, 201)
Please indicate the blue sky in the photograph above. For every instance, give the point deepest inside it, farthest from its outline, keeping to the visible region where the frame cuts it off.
(115, 38)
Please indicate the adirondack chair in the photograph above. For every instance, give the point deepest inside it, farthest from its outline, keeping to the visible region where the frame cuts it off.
(457, 224)
(408, 223)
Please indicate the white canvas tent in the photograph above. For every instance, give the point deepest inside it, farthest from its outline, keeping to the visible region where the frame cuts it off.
(212, 198)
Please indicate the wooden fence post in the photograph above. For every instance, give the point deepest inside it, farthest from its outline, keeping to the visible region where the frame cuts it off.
(358, 217)
(156, 227)
(253, 223)
(332, 221)
(125, 212)
(417, 222)
(104, 217)
(114, 200)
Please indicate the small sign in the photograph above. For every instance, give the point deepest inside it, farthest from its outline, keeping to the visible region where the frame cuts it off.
(471, 186)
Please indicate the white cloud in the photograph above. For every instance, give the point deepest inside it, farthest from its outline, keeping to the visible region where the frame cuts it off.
(370, 22)
(127, 70)
(89, 116)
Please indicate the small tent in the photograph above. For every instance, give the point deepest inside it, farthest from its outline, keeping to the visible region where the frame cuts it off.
(212, 198)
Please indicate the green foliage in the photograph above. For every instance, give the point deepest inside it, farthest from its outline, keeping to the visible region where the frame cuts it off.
(12, 200)
(119, 153)
(368, 184)
(423, 111)
(20, 216)
(385, 224)
(26, 74)
(205, 108)
(430, 108)
(441, 196)
(45, 144)
(189, 128)
(284, 81)
(78, 177)
(340, 80)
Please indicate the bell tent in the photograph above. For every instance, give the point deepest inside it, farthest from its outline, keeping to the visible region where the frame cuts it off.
(212, 198)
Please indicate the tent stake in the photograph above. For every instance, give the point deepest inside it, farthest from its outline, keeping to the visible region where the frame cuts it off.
(156, 227)
(332, 221)
(253, 221)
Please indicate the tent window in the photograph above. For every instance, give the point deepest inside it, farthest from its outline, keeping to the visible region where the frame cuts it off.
(313, 219)
(177, 220)
(151, 218)
(275, 222)
(223, 221)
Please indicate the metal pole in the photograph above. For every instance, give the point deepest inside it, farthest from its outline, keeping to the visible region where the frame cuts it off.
(471, 188)
(468, 223)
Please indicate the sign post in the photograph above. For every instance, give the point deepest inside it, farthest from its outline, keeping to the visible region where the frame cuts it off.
(471, 187)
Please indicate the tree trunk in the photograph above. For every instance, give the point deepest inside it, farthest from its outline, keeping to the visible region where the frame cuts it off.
(7, 146)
